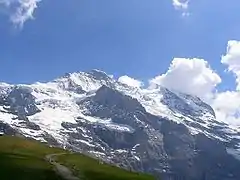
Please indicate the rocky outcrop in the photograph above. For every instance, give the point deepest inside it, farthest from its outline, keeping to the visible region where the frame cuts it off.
(21, 102)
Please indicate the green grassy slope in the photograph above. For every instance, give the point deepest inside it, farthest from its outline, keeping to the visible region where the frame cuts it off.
(24, 160)
(90, 169)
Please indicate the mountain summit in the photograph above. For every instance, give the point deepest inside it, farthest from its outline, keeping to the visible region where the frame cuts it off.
(169, 134)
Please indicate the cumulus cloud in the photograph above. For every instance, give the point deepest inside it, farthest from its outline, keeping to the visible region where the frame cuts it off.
(196, 77)
(227, 107)
(232, 59)
(19, 11)
(191, 76)
(181, 5)
(227, 104)
(130, 81)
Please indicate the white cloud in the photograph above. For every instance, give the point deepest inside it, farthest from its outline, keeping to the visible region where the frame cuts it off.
(181, 5)
(232, 59)
(19, 11)
(196, 77)
(130, 81)
(191, 76)
(227, 107)
(227, 104)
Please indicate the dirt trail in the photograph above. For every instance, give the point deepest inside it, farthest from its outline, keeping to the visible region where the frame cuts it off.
(63, 171)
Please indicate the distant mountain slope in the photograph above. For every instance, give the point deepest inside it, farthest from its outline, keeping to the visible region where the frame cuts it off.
(23, 159)
(158, 131)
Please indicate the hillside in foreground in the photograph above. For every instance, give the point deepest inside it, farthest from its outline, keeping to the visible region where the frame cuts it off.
(26, 160)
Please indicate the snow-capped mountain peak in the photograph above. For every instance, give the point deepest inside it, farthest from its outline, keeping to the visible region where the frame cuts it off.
(85, 81)
(94, 113)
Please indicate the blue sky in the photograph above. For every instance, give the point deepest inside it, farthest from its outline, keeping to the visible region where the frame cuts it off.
(191, 46)
(139, 38)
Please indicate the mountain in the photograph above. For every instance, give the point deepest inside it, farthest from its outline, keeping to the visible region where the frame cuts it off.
(168, 134)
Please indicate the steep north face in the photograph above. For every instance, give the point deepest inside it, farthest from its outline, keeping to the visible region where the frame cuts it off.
(169, 134)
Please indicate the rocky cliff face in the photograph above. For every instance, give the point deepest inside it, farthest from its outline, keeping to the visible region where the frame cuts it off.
(168, 134)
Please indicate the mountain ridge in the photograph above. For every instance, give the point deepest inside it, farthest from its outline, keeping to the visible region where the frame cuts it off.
(146, 130)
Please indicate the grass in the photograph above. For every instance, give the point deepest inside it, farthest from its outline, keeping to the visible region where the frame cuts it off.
(90, 169)
(22, 159)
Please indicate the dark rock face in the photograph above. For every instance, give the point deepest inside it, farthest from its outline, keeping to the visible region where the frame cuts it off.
(197, 157)
(6, 129)
(156, 145)
(108, 102)
(99, 75)
(71, 86)
(21, 102)
(198, 102)
(30, 125)
(180, 104)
